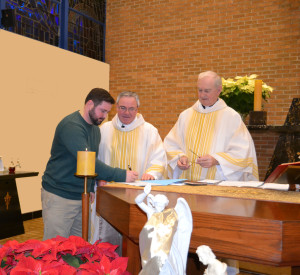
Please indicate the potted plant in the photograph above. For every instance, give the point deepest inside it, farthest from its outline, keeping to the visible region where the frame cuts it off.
(60, 255)
(238, 93)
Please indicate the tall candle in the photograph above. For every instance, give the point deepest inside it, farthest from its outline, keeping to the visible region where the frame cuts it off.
(257, 95)
(86, 163)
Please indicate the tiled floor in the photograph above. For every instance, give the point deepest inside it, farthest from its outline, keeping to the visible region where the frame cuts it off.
(33, 230)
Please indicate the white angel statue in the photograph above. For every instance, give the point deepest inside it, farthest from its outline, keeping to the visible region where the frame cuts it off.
(207, 257)
(165, 238)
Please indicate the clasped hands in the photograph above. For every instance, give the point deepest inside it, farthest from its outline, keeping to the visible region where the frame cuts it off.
(205, 161)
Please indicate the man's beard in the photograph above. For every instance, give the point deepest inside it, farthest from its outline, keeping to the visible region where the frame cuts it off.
(96, 121)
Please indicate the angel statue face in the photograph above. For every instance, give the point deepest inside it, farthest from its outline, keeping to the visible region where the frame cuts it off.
(160, 202)
(205, 254)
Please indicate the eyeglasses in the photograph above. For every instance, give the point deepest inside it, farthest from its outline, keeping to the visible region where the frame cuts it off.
(124, 109)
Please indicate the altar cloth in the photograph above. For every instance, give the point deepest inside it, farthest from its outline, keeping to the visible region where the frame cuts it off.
(224, 191)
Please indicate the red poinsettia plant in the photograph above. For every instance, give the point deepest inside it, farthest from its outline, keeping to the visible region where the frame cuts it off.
(60, 255)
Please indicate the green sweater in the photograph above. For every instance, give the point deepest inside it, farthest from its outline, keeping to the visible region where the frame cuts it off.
(74, 134)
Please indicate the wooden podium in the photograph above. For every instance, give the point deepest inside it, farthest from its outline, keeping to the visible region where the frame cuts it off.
(258, 231)
(11, 223)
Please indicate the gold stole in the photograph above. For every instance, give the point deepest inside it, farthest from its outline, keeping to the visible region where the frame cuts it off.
(124, 149)
(199, 135)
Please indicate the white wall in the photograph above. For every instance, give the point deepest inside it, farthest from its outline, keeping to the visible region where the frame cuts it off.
(39, 85)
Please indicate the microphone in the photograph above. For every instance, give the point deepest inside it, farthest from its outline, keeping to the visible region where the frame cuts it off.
(123, 126)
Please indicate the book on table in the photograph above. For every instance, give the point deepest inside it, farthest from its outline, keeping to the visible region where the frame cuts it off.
(285, 173)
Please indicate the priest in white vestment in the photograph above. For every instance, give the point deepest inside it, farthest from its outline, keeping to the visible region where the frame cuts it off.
(128, 141)
(210, 140)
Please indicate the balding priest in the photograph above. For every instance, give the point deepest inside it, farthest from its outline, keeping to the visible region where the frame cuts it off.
(129, 141)
(210, 140)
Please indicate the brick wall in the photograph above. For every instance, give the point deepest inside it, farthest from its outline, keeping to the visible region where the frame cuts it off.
(157, 48)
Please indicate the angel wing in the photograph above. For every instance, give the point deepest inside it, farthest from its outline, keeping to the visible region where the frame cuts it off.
(176, 263)
(185, 226)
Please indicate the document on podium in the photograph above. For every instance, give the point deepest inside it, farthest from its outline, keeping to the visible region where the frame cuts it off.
(156, 182)
(256, 184)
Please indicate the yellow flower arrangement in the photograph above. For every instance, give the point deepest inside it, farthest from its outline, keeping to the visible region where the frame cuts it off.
(238, 93)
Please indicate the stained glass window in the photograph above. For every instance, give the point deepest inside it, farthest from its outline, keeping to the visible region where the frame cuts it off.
(40, 20)
(36, 19)
(86, 27)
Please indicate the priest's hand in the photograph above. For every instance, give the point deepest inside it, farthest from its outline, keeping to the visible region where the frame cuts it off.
(183, 163)
(131, 176)
(92, 197)
(207, 161)
(147, 177)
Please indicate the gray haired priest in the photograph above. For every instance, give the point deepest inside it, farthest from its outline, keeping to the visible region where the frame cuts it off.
(210, 140)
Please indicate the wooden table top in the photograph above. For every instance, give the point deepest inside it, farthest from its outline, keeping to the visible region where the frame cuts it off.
(263, 231)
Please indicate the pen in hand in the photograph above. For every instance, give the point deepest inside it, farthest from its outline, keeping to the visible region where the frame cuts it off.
(194, 153)
(129, 167)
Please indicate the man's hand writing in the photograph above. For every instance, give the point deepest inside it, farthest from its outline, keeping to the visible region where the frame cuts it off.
(131, 176)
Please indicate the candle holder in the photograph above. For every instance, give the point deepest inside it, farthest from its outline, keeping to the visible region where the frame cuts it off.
(257, 118)
(85, 198)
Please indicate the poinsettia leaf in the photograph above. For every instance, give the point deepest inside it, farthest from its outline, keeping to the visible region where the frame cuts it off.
(106, 249)
(59, 269)
(20, 271)
(2, 272)
(18, 257)
(29, 263)
(12, 244)
(93, 267)
(59, 239)
(107, 246)
(67, 247)
(53, 272)
(116, 272)
(105, 264)
(53, 265)
(92, 258)
(119, 263)
(4, 251)
(28, 245)
(47, 247)
(78, 241)
(66, 269)
(85, 250)
(89, 272)
(11, 261)
(71, 260)
(49, 257)
(119, 272)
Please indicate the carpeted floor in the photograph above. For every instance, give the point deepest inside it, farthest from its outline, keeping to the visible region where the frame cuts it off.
(33, 230)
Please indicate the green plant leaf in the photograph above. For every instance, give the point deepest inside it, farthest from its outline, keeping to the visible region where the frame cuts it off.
(72, 260)
(3, 263)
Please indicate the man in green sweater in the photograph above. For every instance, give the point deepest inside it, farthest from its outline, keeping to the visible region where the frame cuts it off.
(61, 189)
